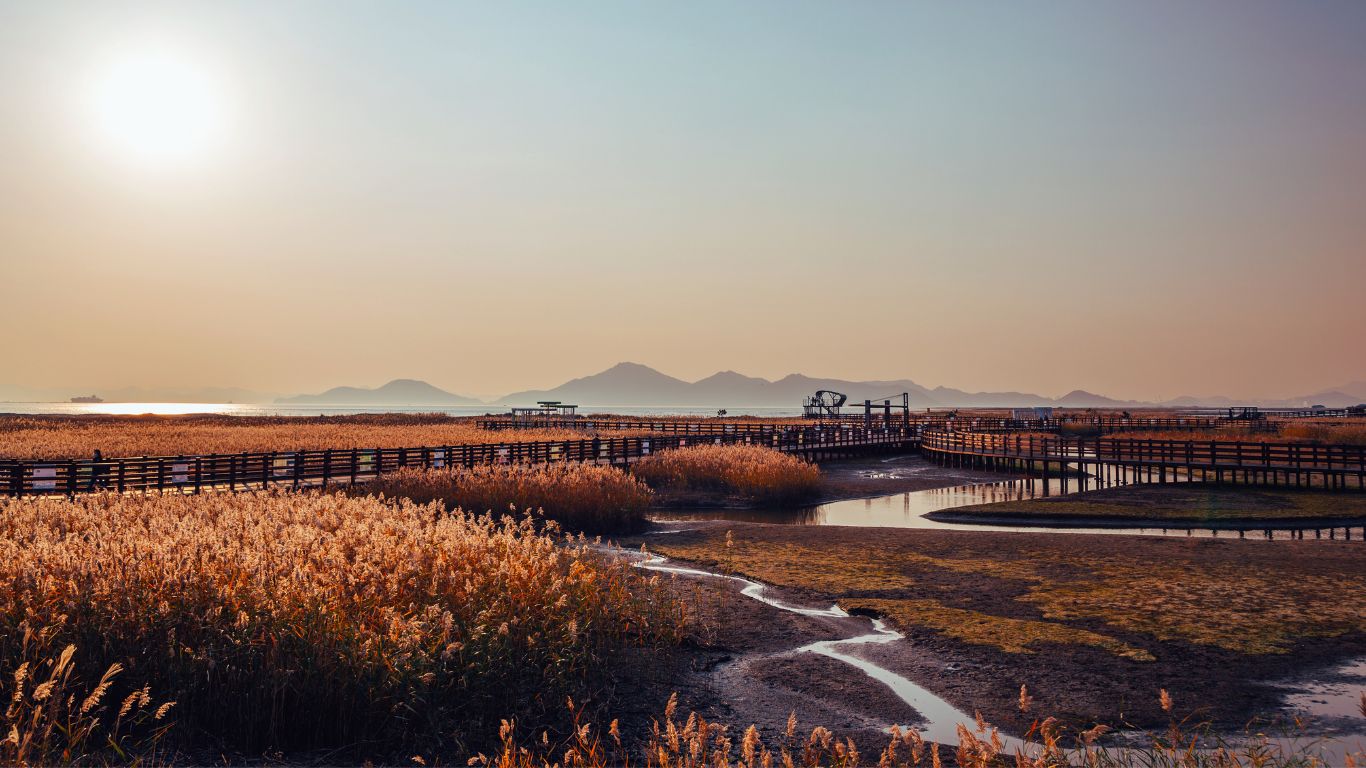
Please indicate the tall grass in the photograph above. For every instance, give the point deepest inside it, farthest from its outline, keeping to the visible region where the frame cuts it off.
(302, 621)
(754, 472)
(1329, 434)
(580, 497)
(68, 437)
(697, 743)
(53, 717)
(1287, 433)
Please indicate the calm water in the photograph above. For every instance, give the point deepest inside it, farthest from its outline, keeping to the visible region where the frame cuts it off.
(908, 510)
(267, 409)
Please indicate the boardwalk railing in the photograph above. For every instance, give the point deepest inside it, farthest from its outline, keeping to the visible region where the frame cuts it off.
(1338, 467)
(322, 468)
(967, 422)
(658, 427)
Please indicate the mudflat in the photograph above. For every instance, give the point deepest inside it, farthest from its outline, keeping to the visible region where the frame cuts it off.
(1093, 625)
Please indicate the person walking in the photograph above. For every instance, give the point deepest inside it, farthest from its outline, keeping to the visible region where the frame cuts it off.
(97, 471)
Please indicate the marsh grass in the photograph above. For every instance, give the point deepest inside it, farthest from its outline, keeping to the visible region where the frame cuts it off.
(756, 473)
(580, 497)
(311, 621)
(1278, 432)
(70, 437)
(694, 742)
(52, 717)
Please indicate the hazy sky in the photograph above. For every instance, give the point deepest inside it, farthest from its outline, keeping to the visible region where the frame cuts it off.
(1141, 199)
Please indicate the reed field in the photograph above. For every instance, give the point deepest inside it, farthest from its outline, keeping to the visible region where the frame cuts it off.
(580, 497)
(753, 472)
(298, 621)
(694, 742)
(1308, 433)
(68, 437)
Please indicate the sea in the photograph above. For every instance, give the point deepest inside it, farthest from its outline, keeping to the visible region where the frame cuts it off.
(275, 409)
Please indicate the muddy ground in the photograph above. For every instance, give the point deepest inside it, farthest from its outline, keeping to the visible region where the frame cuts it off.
(741, 665)
(1232, 636)
(743, 668)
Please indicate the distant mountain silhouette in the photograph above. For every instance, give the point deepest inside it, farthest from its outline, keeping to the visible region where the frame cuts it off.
(622, 384)
(1080, 398)
(1330, 398)
(396, 392)
(633, 384)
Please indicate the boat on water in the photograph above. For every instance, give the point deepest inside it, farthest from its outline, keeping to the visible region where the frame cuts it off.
(87, 399)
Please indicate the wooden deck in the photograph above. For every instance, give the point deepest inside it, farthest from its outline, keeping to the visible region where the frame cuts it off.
(1301, 465)
(322, 468)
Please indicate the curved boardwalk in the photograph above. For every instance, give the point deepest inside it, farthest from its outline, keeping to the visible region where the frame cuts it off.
(321, 468)
(982, 443)
(1110, 460)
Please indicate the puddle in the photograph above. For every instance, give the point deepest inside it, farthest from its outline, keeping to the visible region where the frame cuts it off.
(1334, 697)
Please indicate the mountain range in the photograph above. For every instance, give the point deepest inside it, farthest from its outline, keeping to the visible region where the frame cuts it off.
(633, 384)
(396, 392)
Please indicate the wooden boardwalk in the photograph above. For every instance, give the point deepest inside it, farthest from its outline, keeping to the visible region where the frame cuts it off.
(965, 422)
(992, 444)
(1100, 460)
(323, 468)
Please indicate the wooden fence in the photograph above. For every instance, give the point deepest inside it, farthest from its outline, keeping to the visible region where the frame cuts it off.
(658, 427)
(321, 468)
(1336, 467)
(967, 422)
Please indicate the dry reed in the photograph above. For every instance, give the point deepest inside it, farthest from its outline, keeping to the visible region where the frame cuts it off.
(754, 472)
(580, 497)
(696, 743)
(301, 621)
(49, 437)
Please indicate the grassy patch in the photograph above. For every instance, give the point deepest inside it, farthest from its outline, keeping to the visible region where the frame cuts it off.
(1009, 635)
(1195, 503)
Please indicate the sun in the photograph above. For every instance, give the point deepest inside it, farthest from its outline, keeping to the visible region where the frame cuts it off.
(158, 108)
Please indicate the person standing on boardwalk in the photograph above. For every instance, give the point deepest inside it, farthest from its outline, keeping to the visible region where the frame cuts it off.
(96, 471)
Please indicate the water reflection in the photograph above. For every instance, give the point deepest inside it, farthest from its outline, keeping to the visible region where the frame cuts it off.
(1334, 694)
(908, 510)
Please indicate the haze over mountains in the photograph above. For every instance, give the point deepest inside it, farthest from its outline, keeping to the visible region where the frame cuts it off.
(632, 384)
(396, 392)
(639, 385)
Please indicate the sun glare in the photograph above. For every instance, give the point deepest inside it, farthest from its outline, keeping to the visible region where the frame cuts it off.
(158, 108)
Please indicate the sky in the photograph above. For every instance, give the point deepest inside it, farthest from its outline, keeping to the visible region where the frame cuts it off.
(1140, 199)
